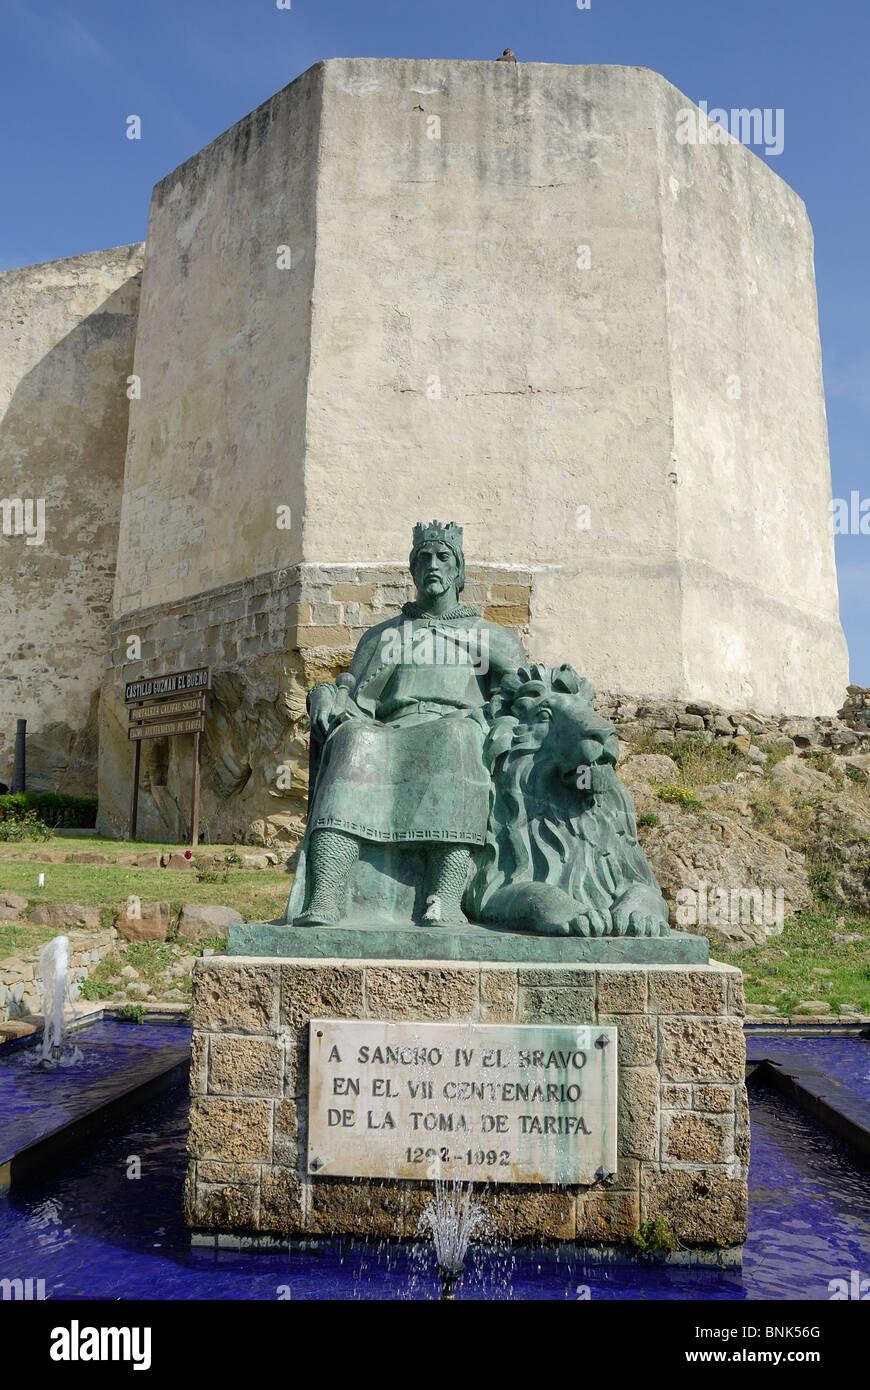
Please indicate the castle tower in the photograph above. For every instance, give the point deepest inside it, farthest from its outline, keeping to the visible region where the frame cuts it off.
(502, 293)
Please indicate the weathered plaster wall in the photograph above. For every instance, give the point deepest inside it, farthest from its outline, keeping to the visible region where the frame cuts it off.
(217, 440)
(66, 350)
(708, 567)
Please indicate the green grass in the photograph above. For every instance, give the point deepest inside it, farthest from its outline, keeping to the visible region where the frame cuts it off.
(99, 844)
(784, 972)
(259, 895)
(700, 762)
(22, 939)
(776, 750)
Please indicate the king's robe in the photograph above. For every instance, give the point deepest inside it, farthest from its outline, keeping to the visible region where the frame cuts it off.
(402, 761)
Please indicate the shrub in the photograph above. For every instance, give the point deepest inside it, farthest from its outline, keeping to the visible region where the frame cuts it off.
(655, 1235)
(54, 808)
(648, 818)
(96, 989)
(776, 750)
(132, 1013)
(821, 761)
(823, 882)
(28, 827)
(680, 797)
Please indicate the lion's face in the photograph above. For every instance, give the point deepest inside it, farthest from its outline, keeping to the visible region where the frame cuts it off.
(565, 730)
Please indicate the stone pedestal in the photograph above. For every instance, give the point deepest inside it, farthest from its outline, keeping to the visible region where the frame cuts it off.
(683, 1128)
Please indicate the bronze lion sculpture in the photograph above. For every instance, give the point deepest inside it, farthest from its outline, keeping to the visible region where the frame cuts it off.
(561, 855)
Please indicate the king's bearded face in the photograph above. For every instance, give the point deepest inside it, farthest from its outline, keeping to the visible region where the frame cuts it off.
(436, 569)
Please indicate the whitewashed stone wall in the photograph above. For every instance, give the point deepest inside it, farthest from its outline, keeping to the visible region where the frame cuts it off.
(439, 346)
(66, 351)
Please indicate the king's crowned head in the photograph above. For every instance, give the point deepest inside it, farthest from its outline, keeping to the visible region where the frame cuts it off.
(436, 533)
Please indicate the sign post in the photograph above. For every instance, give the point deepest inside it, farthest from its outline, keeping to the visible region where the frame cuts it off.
(162, 707)
(134, 799)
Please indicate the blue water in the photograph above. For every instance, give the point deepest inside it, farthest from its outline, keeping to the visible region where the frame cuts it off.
(93, 1232)
(98, 1062)
(847, 1060)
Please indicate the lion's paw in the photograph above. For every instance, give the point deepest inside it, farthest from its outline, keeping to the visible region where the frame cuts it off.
(640, 912)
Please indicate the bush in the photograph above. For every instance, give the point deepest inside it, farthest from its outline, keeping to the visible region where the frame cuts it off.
(96, 989)
(28, 827)
(823, 882)
(655, 1235)
(680, 797)
(53, 808)
(648, 818)
(132, 1013)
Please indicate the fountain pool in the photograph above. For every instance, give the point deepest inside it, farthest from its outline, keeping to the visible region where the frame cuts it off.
(92, 1231)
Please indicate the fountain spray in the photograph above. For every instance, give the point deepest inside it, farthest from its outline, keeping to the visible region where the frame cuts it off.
(452, 1219)
(53, 971)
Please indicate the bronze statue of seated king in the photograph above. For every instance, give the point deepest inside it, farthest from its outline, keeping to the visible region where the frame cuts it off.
(452, 781)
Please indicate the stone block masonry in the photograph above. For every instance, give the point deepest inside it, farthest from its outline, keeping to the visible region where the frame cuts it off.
(683, 1129)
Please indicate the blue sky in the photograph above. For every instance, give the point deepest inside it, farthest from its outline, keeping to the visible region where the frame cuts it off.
(71, 71)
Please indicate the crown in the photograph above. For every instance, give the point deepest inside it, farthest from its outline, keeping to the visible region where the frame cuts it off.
(450, 534)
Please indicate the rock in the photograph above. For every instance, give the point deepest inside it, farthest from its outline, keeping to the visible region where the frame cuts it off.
(688, 850)
(757, 756)
(201, 920)
(860, 763)
(841, 829)
(129, 972)
(812, 1006)
(754, 725)
(841, 738)
(699, 707)
(649, 767)
(177, 861)
(16, 1028)
(138, 987)
(664, 736)
(849, 1009)
(805, 732)
(86, 857)
(626, 711)
(151, 923)
(174, 994)
(65, 915)
(690, 722)
(256, 861)
(849, 938)
(794, 775)
(13, 902)
(740, 743)
(148, 861)
(721, 725)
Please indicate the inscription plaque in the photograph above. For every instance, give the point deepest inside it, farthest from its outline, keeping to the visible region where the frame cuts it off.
(482, 1102)
(167, 729)
(164, 709)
